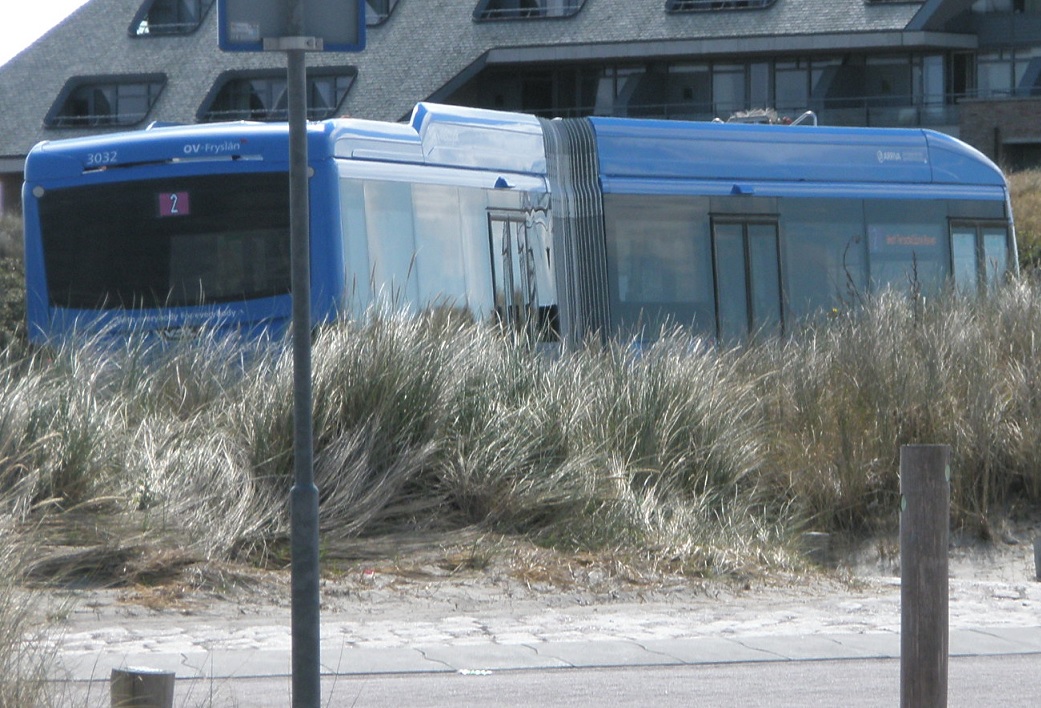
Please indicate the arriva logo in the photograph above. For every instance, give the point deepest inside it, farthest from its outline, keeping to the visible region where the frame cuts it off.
(902, 156)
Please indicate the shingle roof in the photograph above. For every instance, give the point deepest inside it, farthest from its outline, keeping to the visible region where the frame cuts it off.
(420, 48)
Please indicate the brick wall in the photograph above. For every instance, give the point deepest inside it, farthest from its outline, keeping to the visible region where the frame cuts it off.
(1003, 130)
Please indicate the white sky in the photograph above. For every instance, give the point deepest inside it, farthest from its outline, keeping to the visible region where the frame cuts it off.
(21, 24)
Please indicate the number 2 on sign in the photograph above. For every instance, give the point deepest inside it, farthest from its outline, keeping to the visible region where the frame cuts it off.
(174, 204)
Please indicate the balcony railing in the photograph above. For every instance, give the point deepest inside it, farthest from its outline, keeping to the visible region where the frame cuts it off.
(849, 111)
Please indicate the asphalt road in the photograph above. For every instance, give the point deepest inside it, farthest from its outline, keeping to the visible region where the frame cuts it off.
(973, 682)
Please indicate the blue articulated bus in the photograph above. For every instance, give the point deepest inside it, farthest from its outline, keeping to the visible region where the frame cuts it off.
(568, 228)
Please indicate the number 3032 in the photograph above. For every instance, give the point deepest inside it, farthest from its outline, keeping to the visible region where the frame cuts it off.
(108, 157)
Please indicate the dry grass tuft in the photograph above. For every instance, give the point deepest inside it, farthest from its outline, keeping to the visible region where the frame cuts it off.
(1025, 191)
(26, 657)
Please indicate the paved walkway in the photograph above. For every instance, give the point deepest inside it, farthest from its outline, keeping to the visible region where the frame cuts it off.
(251, 660)
(230, 651)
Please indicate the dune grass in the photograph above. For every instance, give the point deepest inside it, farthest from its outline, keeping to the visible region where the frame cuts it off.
(712, 459)
(1025, 192)
(680, 448)
(848, 393)
(25, 654)
(419, 424)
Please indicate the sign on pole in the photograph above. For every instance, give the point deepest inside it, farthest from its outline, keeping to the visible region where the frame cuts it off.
(297, 27)
(338, 25)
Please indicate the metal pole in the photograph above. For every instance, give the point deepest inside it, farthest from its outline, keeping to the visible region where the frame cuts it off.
(925, 502)
(303, 498)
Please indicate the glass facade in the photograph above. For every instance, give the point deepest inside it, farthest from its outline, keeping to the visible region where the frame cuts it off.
(904, 89)
(858, 88)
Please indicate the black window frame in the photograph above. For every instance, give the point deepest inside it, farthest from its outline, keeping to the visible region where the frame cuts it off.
(744, 222)
(180, 29)
(534, 10)
(278, 113)
(63, 113)
(375, 17)
(682, 6)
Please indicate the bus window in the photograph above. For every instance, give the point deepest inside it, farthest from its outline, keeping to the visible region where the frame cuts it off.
(995, 255)
(173, 242)
(764, 273)
(659, 264)
(357, 271)
(979, 255)
(473, 233)
(748, 288)
(392, 243)
(907, 244)
(731, 281)
(513, 272)
(966, 268)
(440, 275)
(825, 256)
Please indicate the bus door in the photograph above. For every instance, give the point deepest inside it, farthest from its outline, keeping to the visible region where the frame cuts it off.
(520, 272)
(748, 278)
(979, 255)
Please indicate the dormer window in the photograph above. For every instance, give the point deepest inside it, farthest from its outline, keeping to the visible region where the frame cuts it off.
(93, 101)
(489, 10)
(262, 95)
(708, 5)
(377, 11)
(163, 18)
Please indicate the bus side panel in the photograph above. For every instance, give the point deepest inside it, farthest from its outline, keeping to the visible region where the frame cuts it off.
(443, 240)
(416, 238)
(357, 294)
(326, 246)
(37, 306)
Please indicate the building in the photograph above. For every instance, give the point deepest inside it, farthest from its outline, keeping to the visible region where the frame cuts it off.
(971, 68)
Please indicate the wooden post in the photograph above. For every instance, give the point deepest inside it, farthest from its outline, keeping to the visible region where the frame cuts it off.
(925, 501)
(142, 688)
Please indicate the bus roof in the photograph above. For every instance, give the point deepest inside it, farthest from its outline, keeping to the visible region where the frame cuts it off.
(207, 142)
(446, 136)
(632, 150)
(449, 136)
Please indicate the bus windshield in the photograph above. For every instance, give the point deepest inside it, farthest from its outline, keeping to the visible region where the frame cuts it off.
(174, 242)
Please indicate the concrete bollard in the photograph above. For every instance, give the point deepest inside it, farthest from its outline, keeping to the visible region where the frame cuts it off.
(816, 546)
(142, 688)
